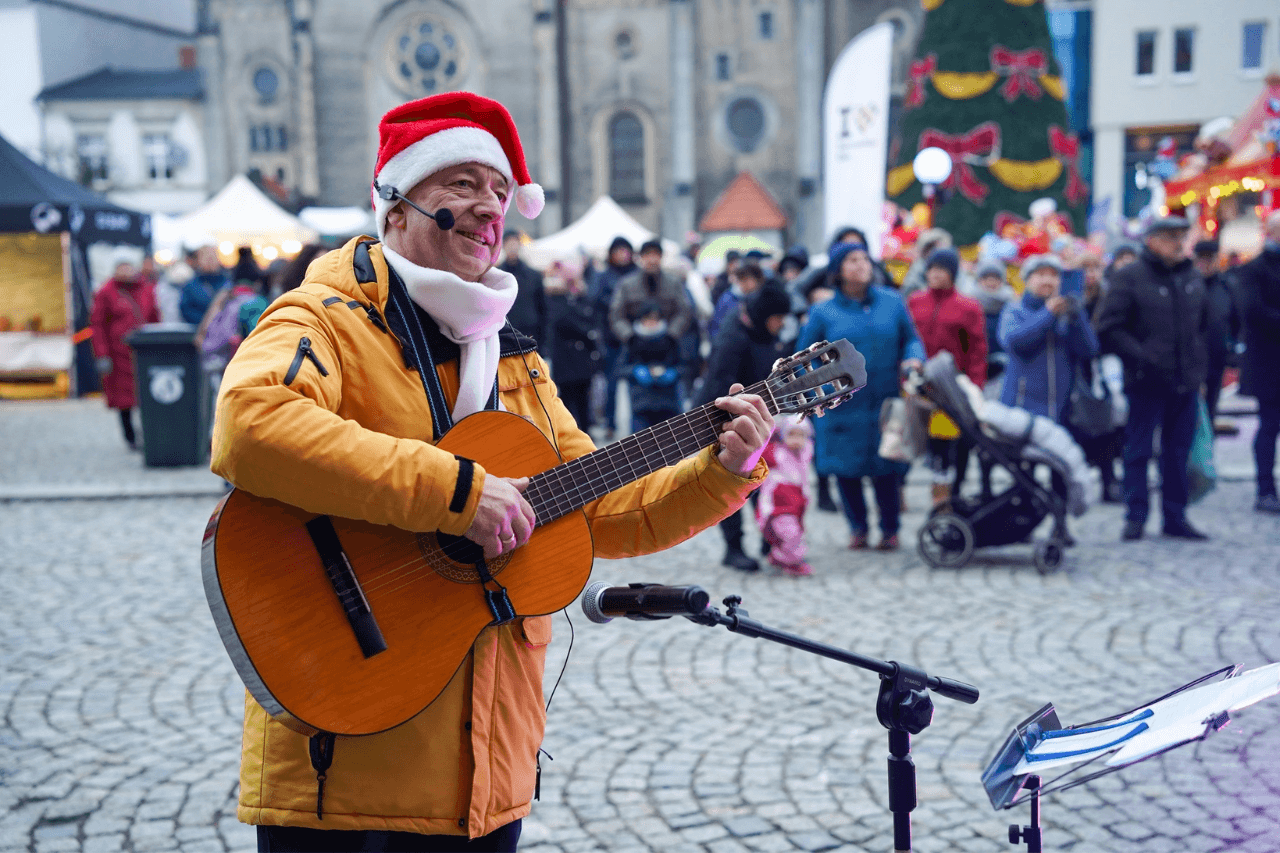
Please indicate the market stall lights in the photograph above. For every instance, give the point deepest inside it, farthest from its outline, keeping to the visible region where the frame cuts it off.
(291, 247)
(271, 253)
(226, 247)
(164, 256)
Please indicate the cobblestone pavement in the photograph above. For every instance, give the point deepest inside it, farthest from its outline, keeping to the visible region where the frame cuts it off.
(121, 713)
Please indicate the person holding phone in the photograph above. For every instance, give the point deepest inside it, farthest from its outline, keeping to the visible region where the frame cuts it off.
(1047, 336)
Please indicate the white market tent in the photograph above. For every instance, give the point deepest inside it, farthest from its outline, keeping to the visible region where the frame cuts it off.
(592, 233)
(339, 221)
(242, 214)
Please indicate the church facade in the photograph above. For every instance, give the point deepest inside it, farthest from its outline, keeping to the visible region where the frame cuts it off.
(657, 103)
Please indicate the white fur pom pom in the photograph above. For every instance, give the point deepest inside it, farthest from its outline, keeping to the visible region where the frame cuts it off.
(530, 199)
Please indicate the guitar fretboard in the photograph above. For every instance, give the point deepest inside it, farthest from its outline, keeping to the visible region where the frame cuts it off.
(574, 484)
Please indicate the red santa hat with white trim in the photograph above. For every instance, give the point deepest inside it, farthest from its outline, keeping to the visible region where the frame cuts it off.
(418, 139)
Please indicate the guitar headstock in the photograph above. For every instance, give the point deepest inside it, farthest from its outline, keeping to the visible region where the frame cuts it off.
(817, 379)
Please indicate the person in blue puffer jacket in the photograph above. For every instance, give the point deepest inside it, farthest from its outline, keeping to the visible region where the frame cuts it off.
(1047, 336)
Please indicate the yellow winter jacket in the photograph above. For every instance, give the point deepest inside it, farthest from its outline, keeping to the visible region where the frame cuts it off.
(356, 443)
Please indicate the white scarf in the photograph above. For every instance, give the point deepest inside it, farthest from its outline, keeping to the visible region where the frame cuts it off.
(469, 313)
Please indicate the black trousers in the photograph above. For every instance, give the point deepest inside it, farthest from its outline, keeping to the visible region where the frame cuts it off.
(298, 839)
(126, 425)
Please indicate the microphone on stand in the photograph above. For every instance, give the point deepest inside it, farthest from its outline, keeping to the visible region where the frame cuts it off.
(601, 602)
(443, 217)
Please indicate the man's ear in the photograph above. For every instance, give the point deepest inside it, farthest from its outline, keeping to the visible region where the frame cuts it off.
(396, 217)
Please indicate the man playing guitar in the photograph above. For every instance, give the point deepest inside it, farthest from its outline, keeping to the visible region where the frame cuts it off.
(334, 405)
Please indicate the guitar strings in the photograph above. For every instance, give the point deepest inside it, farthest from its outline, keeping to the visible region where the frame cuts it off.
(646, 442)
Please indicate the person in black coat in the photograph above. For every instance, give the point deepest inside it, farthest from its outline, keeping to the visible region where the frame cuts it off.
(574, 339)
(1224, 320)
(529, 313)
(744, 351)
(1260, 306)
(619, 264)
(1156, 317)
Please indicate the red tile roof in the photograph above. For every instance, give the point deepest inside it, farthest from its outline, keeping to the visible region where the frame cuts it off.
(745, 205)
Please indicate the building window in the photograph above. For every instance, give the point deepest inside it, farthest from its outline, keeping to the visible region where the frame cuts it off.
(766, 25)
(282, 138)
(1254, 36)
(1184, 44)
(624, 44)
(266, 82)
(745, 117)
(255, 141)
(91, 152)
(1146, 53)
(626, 158)
(157, 149)
(722, 66)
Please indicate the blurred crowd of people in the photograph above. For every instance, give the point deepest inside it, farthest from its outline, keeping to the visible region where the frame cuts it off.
(1147, 332)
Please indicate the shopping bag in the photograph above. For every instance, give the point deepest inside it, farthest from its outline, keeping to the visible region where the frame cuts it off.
(1202, 477)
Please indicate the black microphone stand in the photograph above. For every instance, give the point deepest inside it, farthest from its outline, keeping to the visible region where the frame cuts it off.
(903, 705)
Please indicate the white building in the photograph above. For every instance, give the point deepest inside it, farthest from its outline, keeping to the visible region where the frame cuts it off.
(135, 136)
(1164, 69)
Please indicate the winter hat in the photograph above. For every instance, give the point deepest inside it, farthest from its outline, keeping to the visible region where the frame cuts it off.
(418, 139)
(945, 258)
(1036, 262)
(769, 301)
(838, 252)
(990, 266)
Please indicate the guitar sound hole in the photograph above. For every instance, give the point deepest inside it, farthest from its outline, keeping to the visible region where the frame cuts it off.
(460, 549)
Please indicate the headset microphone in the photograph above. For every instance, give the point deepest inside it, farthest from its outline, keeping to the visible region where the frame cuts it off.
(443, 217)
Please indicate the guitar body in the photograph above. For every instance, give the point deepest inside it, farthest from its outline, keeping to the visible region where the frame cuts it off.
(282, 618)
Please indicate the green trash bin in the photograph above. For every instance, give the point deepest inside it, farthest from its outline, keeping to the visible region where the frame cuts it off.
(173, 394)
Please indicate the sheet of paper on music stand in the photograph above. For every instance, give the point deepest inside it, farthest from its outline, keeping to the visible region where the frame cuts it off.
(1146, 731)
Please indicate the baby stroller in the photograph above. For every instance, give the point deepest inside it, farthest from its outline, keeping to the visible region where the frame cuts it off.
(1017, 442)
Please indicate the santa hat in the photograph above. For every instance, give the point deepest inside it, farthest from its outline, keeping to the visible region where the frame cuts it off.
(418, 139)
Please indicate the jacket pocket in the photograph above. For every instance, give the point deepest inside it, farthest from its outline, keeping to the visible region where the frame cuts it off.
(304, 352)
(536, 630)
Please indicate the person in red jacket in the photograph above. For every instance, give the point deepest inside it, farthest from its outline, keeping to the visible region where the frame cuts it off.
(947, 321)
(121, 305)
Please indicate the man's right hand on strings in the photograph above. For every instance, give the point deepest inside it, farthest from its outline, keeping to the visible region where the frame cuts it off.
(504, 519)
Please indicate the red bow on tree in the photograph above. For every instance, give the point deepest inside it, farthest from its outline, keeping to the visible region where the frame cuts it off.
(1022, 69)
(978, 145)
(921, 70)
(1066, 147)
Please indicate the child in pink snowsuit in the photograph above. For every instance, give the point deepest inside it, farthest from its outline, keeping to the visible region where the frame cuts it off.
(785, 494)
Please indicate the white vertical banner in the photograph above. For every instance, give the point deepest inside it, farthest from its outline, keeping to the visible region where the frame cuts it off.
(855, 135)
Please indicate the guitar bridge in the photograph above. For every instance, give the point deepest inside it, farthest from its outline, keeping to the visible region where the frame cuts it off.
(346, 585)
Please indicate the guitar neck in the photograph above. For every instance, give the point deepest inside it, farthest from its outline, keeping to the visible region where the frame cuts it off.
(574, 484)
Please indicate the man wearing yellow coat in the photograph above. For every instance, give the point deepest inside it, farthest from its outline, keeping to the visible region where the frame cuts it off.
(334, 404)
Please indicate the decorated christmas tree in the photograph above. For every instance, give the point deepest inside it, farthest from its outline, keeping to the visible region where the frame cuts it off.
(986, 88)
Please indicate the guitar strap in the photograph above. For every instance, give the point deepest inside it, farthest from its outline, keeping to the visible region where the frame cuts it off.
(321, 747)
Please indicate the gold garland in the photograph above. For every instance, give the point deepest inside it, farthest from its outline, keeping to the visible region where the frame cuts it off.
(961, 86)
(930, 5)
(1025, 176)
(1022, 2)
(899, 179)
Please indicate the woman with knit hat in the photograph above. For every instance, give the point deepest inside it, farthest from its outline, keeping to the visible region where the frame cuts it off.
(876, 322)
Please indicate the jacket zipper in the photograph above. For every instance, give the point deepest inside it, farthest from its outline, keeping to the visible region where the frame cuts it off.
(1053, 385)
(304, 351)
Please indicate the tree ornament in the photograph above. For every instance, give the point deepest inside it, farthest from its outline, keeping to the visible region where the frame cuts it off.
(930, 5)
(980, 146)
(1066, 147)
(1022, 68)
(921, 70)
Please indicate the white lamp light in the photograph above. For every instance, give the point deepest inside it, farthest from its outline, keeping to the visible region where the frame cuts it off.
(931, 166)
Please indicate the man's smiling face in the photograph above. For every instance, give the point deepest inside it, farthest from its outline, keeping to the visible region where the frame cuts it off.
(477, 196)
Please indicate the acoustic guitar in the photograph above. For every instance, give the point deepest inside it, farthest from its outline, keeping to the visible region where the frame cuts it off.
(352, 628)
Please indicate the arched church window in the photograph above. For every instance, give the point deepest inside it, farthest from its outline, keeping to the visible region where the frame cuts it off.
(266, 83)
(626, 158)
(745, 117)
(426, 55)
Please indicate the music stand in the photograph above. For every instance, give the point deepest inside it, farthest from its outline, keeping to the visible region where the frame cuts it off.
(1039, 744)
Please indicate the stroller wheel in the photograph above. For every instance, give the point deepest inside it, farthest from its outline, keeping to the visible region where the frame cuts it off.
(1048, 555)
(946, 541)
